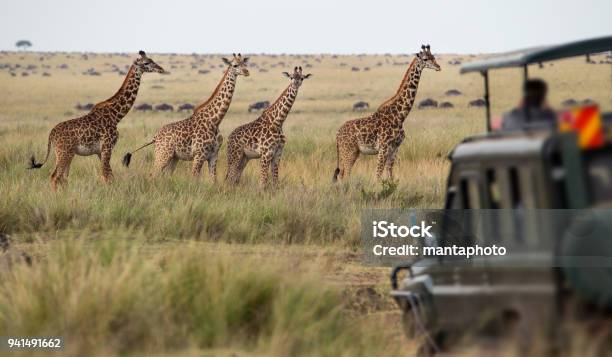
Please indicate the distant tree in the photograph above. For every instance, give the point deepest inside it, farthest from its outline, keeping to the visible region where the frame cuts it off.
(23, 44)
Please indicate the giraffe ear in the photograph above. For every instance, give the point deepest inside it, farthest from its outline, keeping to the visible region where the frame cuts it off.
(142, 53)
(308, 76)
(226, 61)
(286, 74)
(245, 60)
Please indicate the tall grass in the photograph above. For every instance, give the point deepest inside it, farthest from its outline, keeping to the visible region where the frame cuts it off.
(110, 297)
(306, 208)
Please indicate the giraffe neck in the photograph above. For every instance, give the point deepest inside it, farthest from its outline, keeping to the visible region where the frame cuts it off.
(401, 103)
(121, 102)
(216, 106)
(276, 114)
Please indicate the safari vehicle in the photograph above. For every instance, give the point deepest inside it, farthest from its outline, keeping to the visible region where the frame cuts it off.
(555, 179)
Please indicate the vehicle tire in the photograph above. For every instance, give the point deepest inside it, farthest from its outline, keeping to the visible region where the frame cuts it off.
(586, 247)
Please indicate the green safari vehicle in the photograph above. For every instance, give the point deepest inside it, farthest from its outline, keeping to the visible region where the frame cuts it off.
(551, 274)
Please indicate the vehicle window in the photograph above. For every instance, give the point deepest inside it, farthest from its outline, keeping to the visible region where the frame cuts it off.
(465, 197)
(529, 191)
(515, 188)
(599, 176)
(470, 193)
(493, 190)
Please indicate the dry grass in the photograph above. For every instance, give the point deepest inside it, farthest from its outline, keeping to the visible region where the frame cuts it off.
(305, 209)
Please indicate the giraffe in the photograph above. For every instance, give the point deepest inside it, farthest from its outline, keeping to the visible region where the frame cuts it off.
(95, 132)
(197, 137)
(382, 132)
(263, 138)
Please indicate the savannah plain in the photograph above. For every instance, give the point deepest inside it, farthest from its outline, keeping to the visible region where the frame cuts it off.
(177, 264)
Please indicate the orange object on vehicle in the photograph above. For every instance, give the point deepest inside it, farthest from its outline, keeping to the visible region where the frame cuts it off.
(586, 121)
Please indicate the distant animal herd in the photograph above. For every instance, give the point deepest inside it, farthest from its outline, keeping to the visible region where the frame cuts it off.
(197, 138)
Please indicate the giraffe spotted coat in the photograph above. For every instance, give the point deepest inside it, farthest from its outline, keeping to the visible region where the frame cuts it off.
(263, 138)
(96, 133)
(382, 132)
(197, 137)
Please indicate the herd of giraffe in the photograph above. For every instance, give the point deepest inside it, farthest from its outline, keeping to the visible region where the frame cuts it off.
(197, 138)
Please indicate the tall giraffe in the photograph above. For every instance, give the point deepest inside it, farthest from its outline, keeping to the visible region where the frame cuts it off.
(263, 138)
(96, 132)
(197, 138)
(382, 132)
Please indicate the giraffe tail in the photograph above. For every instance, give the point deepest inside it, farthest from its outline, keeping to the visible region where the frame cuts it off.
(38, 165)
(337, 171)
(127, 158)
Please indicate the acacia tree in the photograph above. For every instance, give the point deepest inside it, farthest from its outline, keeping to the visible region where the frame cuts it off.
(23, 44)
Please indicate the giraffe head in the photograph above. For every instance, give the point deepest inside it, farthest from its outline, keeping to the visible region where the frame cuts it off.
(426, 59)
(297, 77)
(238, 65)
(145, 64)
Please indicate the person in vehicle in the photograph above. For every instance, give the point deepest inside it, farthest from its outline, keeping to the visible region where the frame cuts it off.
(533, 112)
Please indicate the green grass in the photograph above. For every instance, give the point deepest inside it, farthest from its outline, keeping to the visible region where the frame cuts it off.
(111, 297)
(306, 208)
(122, 267)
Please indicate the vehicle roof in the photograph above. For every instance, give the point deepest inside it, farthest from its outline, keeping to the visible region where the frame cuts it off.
(540, 54)
(514, 146)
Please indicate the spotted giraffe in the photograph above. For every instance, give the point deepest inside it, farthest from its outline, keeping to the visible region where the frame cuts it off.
(197, 138)
(382, 132)
(263, 138)
(96, 133)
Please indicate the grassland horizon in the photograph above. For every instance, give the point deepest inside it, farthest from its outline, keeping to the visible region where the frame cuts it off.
(139, 227)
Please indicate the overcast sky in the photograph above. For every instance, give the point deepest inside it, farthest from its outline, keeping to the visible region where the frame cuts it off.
(308, 26)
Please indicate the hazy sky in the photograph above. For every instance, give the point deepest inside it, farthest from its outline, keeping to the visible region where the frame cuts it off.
(308, 26)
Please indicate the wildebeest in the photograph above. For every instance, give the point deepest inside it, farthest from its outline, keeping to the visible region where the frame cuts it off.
(91, 72)
(428, 103)
(87, 106)
(359, 106)
(164, 107)
(569, 102)
(355, 69)
(452, 92)
(186, 106)
(257, 106)
(446, 105)
(477, 103)
(144, 107)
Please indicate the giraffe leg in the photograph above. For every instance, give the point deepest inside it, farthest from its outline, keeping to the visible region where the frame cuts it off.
(391, 161)
(383, 154)
(62, 164)
(276, 160)
(266, 161)
(212, 159)
(348, 156)
(196, 166)
(393, 153)
(105, 156)
(163, 159)
(235, 168)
